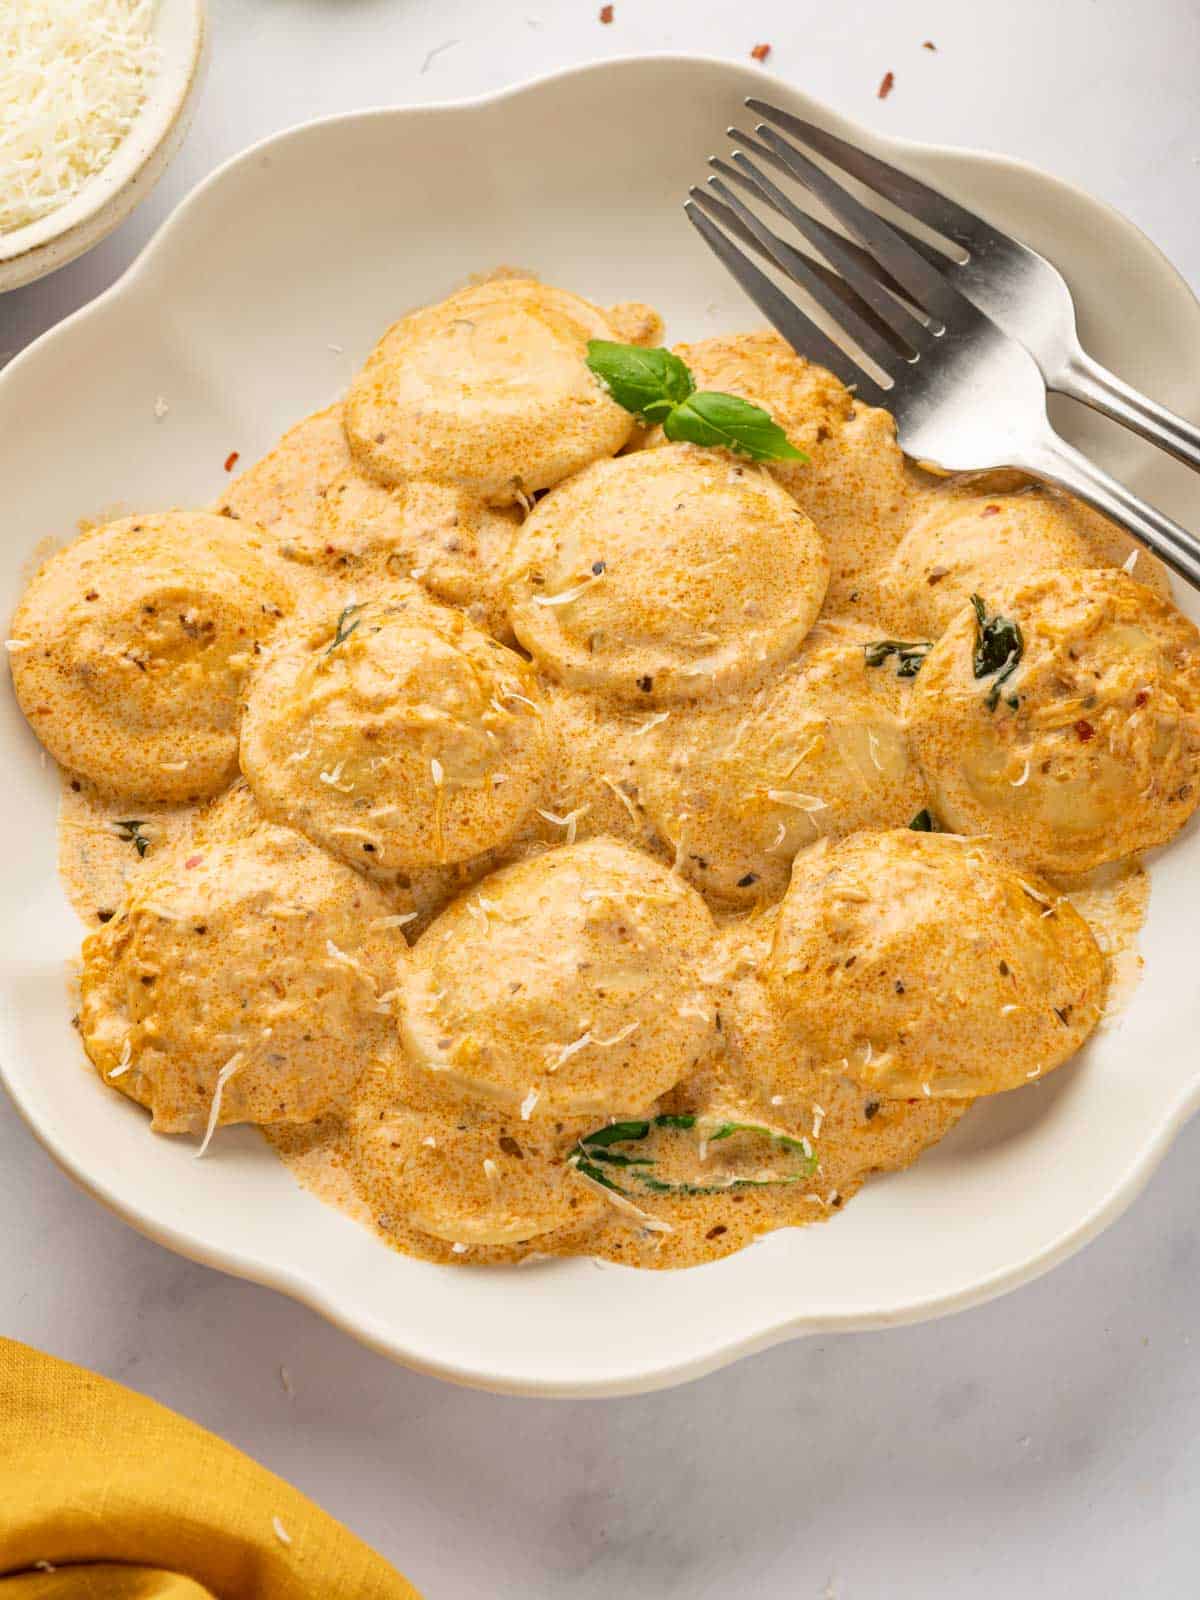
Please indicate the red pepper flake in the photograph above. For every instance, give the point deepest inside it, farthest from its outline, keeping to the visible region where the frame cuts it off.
(231, 460)
(606, 14)
(1141, 697)
(193, 861)
(1085, 730)
(760, 52)
(990, 511)
(928, 44)
(888, 84)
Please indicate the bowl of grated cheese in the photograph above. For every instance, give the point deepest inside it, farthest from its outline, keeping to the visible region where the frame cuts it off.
(95, 99)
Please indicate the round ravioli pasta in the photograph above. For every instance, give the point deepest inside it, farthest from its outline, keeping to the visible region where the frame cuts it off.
(240, 982)
(851, 1129)
(474, 1177)
(739, 788)
(967, 544)
(285, 490)
(396, 735)
(1089, 748)
(856, 484)
(592, 786)
(131, 646)
(488, 391)
(442, 537)
(566, 984)
(665, 575)
(919, 964)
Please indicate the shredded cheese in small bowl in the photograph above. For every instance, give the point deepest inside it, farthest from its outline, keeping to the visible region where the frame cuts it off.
(73, 78)
(93, 95)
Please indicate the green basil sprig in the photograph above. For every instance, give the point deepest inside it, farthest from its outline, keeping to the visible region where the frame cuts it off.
(656, 386)
(595, 1152)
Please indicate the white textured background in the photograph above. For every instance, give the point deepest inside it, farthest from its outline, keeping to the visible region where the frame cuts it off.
(1042, 1446)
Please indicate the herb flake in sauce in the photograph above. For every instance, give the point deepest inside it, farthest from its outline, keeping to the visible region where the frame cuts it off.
(999, 646)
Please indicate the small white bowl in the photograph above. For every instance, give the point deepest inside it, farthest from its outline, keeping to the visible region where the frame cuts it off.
(140, 160)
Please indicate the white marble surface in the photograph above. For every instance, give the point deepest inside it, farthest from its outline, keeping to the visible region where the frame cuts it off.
(1040, 1446)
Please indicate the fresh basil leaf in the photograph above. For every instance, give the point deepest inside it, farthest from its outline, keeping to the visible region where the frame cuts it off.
(999, 646)
(593, 1148)
(617, 1133)
(650, 383)
(726, 420)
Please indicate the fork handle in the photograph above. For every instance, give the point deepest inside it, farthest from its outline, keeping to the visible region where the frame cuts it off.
(1059, 463)
(1085, 379)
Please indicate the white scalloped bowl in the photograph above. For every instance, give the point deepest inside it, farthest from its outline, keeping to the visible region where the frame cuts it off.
(314, 240)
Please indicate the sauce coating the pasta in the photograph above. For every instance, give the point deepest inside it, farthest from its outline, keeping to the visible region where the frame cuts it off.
(585, 891)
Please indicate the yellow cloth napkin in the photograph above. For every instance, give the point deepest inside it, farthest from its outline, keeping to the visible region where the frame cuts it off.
(124, 1500)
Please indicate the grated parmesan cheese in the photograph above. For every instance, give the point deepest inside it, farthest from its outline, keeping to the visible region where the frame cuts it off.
(234, 1064)
(801, 802)
(625, 1207)
(73, 77)
(126, 1061)
(570, 822)
(567, 597)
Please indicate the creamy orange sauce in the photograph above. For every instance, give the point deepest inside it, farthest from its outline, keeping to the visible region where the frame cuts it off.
(1114, 902)
(651, 695)
(98, 856)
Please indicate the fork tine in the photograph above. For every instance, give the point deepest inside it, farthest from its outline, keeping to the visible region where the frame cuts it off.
(725, 215)
(934, 257)
(923, 282)
(935, 210)
(830, 292)
(862, 280)
(802, 334)
(833, 280)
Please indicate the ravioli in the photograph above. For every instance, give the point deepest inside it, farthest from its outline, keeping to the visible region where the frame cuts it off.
(564, 985)
(470, 1178)
(665, 575)
(1087, 747)
(918, 964)
(395, 735)
(486, 391)
(131, 647)
(739, 789)
(240, 982)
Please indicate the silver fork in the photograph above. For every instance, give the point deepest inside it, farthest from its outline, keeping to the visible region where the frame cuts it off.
(1018, 288)
(965, 395)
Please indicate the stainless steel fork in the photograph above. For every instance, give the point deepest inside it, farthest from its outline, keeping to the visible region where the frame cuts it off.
(966, 395)
(1018, 288)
